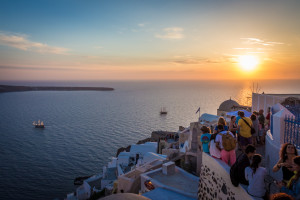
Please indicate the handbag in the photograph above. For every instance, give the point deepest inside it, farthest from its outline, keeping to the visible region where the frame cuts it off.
(252, 129)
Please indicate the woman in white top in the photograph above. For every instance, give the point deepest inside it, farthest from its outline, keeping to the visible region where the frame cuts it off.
(213, 150)
(256, 175)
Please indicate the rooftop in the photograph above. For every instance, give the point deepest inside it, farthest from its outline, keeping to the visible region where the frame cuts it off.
(228, 104)
(124, 196)
(177, 180)
(110, 174)
(163, 194)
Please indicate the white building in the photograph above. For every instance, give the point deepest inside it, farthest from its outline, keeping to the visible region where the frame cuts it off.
(275, 136)
(84, 191)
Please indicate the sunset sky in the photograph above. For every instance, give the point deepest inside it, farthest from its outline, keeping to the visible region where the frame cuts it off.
(149, 39)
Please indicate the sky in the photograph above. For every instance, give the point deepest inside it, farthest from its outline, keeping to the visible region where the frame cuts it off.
(149, 39)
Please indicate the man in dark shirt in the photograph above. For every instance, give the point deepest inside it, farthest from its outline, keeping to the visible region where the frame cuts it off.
(261, 120)
(242, 162)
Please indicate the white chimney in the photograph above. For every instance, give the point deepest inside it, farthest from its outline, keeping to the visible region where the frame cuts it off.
(168, 168)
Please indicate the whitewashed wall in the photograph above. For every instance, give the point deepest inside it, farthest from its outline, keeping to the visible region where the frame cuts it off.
(275, 141)
(264, 101)
(272, 156)
(215, 181)
(84, 191)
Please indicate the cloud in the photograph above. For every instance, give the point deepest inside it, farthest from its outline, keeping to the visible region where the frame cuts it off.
(190, 60)
(141, 25)
(242, 48)
(21, 42)
(186, 59)
(221, 59)
(172, 33)
(253, 41)
(42, 68)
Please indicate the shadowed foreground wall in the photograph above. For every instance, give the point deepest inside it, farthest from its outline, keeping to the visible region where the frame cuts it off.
(215, 182)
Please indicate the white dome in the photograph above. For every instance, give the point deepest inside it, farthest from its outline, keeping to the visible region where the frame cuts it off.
(227, 105)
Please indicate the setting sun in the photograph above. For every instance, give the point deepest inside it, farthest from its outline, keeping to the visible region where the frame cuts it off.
(248, 62)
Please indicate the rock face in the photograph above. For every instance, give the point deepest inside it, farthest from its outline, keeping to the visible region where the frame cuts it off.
(155, 135)
(127, 149)
(146, 140)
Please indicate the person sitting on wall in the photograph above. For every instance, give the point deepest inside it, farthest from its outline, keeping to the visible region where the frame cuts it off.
(244, 130)
(256, 176)
(286, 154)
(293, 186)
(205, 138)
(237, 171)
(226, 142)
(221, 121)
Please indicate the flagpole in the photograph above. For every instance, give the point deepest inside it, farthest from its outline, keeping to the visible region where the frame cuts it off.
(199, 112)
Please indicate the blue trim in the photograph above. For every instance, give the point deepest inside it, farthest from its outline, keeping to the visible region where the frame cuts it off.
(291, 131)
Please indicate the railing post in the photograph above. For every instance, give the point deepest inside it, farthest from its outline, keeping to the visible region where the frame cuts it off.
(288, 133)
(297, 132)
(284, 136)
(286, 129)
(292, 125)
(271, 122)
(294, 131)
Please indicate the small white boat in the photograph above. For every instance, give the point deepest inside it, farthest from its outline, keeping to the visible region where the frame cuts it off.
(39, 124)
(163, 111)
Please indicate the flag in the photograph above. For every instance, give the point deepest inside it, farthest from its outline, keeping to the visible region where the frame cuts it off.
(198, 110)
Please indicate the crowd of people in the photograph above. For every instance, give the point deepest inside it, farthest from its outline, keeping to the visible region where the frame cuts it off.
(243, 135)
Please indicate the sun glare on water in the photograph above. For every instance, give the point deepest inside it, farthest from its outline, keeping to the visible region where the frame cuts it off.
(248, 62)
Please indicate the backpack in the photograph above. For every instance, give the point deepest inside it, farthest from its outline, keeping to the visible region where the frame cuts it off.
(234, 175)
(228, 142)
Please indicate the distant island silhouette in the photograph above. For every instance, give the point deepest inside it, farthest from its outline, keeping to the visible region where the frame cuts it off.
(12, 88)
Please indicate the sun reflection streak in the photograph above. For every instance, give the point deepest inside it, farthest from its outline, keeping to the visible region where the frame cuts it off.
(244, 96)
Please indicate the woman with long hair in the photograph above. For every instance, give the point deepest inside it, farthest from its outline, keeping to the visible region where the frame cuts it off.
(233, 125)
(287, 152)
(221, 121)
(293, 186)
(256, 176)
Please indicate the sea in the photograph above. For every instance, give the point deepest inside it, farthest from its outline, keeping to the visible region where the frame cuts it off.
(84, 129)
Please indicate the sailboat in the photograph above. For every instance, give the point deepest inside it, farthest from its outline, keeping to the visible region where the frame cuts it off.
(39, 124)
(163, 111)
